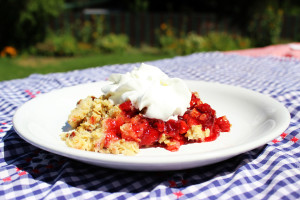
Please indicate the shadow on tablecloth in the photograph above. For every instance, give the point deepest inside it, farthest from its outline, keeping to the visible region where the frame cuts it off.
(25, 161)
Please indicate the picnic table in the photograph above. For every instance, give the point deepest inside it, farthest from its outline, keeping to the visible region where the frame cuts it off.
(271, 171)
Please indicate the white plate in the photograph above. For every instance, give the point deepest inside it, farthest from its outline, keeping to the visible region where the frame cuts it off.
(256, 119)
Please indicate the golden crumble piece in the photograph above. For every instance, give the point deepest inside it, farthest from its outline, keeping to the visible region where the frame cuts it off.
(196, 133)
(164, 139)
(87, 120)
(124, 147)
(78, 140)
(83, 107)
(98, 140)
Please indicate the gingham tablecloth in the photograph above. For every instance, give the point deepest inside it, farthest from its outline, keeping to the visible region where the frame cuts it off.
(269, 172)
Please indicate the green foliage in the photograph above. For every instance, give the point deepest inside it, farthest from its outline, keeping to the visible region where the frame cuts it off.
(138, 6)
(168, 44)
(168, 41)
(85, 49)
(184, 45)
(191, 42)
(98, 30)
(291, 7)
(90, 29)
(265, 27)
(25, 21)
(112, 43)
(222, 41)
(85, 32)
(57, 45)
(88, 33)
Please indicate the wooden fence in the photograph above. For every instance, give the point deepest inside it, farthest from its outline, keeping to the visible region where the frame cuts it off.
(141, 28)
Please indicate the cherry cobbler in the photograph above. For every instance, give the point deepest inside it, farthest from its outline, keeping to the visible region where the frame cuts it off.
(101, 125)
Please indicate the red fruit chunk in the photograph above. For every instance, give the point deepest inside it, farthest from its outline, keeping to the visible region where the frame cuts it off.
(203, 117)
(183, 127)
(139, 124)
(158, 125)
(208, 116)
(195, 113)
(194, 100)
(73, 134)
(204, 108)
(110, 137)
(213, 136)
(128, 133)
(191, 121)
(174, 146)
(171, 127)
(175, 128)
(149, 137)
(128, 109)
(223, 124)
(112, 130)
(92, 120)
(126, 106)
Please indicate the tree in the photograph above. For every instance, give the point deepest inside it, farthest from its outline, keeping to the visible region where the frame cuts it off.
(24, 23)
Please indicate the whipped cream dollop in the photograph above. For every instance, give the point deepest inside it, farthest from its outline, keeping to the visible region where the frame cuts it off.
(147, 87)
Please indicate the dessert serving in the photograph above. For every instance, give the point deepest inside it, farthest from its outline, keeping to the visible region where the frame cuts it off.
(141, 109)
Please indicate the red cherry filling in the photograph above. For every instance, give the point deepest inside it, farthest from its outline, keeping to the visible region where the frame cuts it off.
(149, 137)
(112, 129)
(129, 110)
(131, 125)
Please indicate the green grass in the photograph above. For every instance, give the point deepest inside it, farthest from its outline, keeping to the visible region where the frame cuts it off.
(23, 66)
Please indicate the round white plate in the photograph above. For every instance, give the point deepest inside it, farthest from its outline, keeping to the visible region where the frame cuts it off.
(256, 119)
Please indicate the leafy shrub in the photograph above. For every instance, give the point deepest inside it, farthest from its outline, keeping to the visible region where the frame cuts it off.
(168, 44)
(222, 41)
(90, 30)
(183, 45)
(243, 42)
(191, 44)
(57, 45)
(112, 43)
(98, 29)
(85, 32)
(265, 27)
(84, 48)
(23, 22)
(167, 39)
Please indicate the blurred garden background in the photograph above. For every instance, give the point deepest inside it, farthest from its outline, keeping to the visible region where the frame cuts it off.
(38, 36)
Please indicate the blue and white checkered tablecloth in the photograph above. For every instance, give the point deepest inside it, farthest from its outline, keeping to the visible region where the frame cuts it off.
(269, 172)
